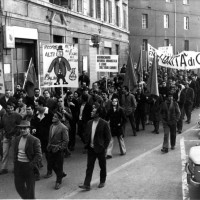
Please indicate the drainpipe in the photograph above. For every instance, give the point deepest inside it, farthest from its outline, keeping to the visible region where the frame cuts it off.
(175, 27)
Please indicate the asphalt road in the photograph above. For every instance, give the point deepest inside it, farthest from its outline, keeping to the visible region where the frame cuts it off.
(143, 173)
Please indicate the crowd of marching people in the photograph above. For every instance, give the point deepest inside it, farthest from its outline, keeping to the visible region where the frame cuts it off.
(56, 121)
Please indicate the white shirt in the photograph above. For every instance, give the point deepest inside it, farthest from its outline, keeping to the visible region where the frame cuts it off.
(22, 157)
(41, 115)
(94, 126)
(81, 111)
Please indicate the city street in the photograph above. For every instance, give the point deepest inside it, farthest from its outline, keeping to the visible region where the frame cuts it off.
(143, 173)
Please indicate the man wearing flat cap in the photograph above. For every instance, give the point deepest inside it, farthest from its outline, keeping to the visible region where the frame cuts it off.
(60, 65)
(27, 155)
(58, 141)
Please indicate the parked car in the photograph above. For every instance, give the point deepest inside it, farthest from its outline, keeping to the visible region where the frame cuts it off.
(192, 167)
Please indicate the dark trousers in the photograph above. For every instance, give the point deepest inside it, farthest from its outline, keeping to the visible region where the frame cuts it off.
(180, 121)
(72, 135)
(169, 131)
(24, 180)
(140, 117)
(91, 158)
(55, 161)
(132, 122)
(156, 126)
(188, 110)
(81, 130)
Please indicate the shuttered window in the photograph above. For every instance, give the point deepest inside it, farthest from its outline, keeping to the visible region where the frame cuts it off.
(91, 8)
(79, 6)
(110, 11)
(124, 16)
(117, 15)
(105, 10)
(98, 9)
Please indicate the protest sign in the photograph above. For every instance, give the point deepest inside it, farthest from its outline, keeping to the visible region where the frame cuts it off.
(60, 65)
(107, 63)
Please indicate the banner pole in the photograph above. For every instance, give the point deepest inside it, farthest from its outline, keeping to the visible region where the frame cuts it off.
(27, 72)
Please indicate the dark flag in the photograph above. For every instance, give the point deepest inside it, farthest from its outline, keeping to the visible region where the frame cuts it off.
(152, 83)
(140, 68)
(30, 80)
(130, 78)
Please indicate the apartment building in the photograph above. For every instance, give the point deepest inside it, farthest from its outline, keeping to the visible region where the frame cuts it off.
(26, 25)
(163, 23)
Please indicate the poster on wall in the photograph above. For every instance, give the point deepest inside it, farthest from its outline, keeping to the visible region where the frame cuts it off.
(60, 65)
(2, 84)
(107, 63)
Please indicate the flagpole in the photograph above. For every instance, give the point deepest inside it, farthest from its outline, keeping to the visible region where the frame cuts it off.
(27, 73)
(141, 63)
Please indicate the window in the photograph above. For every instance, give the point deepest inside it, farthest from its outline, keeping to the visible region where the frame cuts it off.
(91, 8)
(117, 49)
(98, 9)
(186, 23)
(186, 45)
(186, 2)
(117, 15)
(144, 44)
(109, 11)
(124, 16)
(105, 10)
(66, 3)
(79, 6)
(75, 40)
(166, 21)
(166, 42)
(58, 39)
(57, 2)
(144, 21)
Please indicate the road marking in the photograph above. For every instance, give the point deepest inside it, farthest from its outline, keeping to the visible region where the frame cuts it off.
(185, 188)
(109, 174)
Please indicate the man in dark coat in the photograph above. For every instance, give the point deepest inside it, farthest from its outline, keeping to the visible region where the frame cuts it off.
(84, 116)
(84, 79)
(41, 123)
(170, 114)
(180, 98)
(155, 112)
(97, 141)
(140, 109)
(60, 65)
(189, 100)
(6, 99)
(27, 155)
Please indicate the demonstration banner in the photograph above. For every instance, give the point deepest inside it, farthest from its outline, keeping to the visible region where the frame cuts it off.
(107, 63)
(185, 60)
(60, 65)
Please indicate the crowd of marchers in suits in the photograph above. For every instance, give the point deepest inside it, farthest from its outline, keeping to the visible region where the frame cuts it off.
(179, 94)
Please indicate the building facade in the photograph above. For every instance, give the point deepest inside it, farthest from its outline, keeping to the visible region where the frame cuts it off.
(163, 23)
(27, 25)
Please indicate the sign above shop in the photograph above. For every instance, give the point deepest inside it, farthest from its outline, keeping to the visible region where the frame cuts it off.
(12, 32)
(9, 38)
